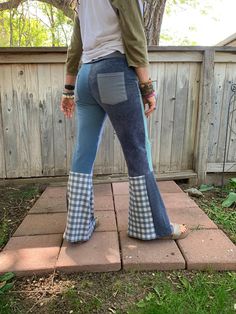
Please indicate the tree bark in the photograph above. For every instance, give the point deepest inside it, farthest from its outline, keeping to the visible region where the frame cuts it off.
(153, 14)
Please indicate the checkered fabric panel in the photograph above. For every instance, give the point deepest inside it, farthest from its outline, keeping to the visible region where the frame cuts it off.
(80, 206)
(140, 221)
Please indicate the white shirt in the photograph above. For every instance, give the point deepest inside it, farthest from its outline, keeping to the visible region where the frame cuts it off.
(100, 31)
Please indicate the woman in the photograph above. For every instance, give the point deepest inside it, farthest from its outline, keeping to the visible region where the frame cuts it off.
(109, 43)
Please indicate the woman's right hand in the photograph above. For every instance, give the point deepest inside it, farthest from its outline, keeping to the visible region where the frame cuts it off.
(151, 101)
(67, 106)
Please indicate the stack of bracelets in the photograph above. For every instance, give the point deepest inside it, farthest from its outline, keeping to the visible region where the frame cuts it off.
(146, 88)
(69, 94)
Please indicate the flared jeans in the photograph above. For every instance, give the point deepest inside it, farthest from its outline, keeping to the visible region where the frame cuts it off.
(109, 87)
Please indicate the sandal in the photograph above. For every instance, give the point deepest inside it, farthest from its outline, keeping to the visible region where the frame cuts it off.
(177, 234)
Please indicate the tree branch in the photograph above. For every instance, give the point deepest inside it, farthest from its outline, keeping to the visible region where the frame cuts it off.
(63, 5)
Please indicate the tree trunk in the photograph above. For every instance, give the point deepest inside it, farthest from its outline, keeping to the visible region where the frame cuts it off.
(153, 14)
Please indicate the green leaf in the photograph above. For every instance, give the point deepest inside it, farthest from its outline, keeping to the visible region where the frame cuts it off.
(184, 282)
(150, 296)
(141, 304)
(231, 198)
(6, 287)
(7, 276)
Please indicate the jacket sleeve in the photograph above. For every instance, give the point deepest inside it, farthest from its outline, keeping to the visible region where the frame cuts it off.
(133, 32)
(75, 49)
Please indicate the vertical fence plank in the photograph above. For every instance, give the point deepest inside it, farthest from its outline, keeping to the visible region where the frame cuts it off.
(215, 115)
(191, 116)
(168, 116)
(32, 95)
(156, 119)
(10, 120)
(59, 133)
(46, 119)
(204, 114)
(179, 115)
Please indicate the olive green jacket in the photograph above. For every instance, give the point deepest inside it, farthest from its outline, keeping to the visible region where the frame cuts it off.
(133, 36)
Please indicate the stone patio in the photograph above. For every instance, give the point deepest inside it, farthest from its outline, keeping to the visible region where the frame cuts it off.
(37, 246)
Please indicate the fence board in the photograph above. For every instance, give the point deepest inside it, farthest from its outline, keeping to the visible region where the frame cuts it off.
(38, 140)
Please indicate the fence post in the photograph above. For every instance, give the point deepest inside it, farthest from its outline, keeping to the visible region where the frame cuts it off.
(206, 99)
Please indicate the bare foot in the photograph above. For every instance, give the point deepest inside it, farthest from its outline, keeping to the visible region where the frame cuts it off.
(183, 228)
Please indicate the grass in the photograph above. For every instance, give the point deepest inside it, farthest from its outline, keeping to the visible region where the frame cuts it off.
(14, 204)
(125, 293)
(224, 217)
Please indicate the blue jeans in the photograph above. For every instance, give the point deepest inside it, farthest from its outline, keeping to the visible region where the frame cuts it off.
(109, 87)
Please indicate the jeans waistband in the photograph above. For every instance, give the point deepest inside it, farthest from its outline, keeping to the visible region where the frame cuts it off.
(114, 54)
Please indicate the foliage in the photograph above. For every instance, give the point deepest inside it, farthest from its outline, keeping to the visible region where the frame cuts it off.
(4, 284)
(34, 25)
(204, 294)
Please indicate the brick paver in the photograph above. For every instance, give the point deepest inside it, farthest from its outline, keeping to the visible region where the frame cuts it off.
(52, 200)
(30, 255)
(107, 220)
(103, 202)
(209, 248)
(150, 255)
(120, 188)
(99, 254)
(42, 224)
(102, 189)
(36, 246)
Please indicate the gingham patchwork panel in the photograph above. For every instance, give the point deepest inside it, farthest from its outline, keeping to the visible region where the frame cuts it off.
(80, 207)
(140, 221)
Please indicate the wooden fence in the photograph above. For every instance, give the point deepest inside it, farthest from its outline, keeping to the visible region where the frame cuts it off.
(187, 131)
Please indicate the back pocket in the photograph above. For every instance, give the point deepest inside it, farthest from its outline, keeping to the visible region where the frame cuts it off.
(111, 87)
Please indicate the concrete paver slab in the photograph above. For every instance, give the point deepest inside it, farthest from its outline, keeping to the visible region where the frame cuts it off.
(208, 248)
(150, 255)
(102, 189)
(42, 224)
(99, 254)
(103, 202)
(192, 216)
(177, 200)
(30, 255)
(169, 187)
(107, 220)
(52, 200)
(120, 188)
(121, 202)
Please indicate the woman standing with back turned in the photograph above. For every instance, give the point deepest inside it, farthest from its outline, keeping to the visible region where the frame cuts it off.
(109, 41)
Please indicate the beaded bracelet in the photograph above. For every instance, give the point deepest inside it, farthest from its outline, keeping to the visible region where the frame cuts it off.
(150, 95)
(146, 88)
(68, 95)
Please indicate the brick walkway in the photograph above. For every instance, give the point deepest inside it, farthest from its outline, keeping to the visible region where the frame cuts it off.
(37, 245)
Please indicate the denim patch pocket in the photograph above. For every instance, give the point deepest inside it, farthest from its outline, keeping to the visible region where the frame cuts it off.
(112, 88)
